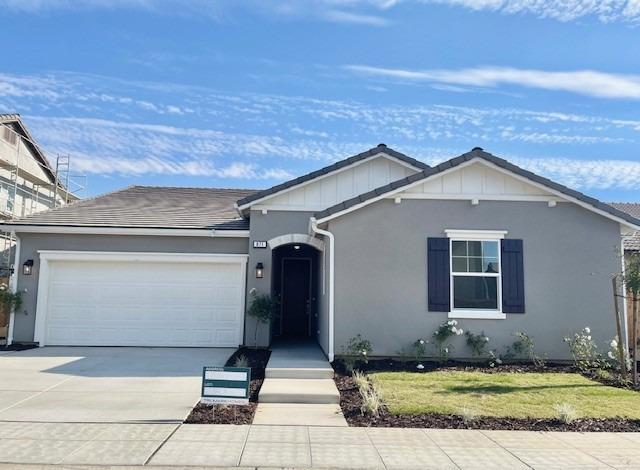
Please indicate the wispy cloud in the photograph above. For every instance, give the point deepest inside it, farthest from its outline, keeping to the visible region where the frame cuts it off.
(561, 10)
(586, 174)
(117, 128)
(584, 82)
(340, 16)
(365, 12)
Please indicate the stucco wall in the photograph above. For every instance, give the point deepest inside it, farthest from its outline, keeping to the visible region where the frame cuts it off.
(31, 243)
(381, 272)
(264, 227)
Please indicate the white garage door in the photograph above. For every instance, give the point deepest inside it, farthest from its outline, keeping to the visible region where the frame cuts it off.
(115, 301)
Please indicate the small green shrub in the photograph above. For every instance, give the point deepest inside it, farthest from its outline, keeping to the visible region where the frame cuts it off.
(524, 348)
(468, 415)
(614, 356)
(10, 300)
(445, 331)
(361, 380)
(477, 343)
(371, 401)
(585, 351)
(566, 412)
(241, 361)
(357, 350)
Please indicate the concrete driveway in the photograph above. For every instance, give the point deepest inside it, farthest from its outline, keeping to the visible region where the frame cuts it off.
(81, 384)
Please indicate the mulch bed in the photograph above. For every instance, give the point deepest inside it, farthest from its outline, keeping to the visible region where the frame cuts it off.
(351, 402)
(235, 414)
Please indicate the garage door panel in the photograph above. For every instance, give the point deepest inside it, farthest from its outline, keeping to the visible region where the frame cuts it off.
(144, 303)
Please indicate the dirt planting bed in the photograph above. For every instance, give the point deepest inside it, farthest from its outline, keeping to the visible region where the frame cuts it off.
(235, 414)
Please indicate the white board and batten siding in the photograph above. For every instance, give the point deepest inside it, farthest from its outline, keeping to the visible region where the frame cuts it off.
(124, 300)
(477, 180)
(331, 189)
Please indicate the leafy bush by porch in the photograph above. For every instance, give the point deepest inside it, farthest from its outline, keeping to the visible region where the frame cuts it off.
(518, 395)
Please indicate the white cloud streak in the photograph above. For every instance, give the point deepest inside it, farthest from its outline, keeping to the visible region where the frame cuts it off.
(351, 11)
(584, 82)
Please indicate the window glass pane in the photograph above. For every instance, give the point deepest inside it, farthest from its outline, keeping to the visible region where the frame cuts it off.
(490, 265)
(459, 265)
(490, 249)
(475, 248)
(475, 265)
(475, 292)
(459, 248)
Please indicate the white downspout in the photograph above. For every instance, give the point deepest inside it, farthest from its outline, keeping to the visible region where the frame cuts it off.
(329, 235)
(13, 286)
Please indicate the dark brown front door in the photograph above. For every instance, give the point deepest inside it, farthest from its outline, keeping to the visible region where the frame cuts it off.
(296, 297)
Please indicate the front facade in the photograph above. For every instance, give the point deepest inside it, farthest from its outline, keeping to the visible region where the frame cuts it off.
(378, 245)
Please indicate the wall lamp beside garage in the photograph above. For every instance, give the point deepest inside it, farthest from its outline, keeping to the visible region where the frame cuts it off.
(259, 271)
(27, 267)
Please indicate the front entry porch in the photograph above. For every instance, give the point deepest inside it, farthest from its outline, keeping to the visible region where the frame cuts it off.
(299, 387)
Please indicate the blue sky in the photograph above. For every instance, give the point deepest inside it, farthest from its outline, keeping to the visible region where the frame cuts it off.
(248, 93)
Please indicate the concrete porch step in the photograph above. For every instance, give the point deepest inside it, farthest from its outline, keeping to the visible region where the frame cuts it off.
(299, 373)
(296, 414)
(311, 391)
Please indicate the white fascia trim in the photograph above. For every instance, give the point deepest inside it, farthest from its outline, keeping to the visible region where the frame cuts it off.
(477, 314)
(558, 194)
(127, 231)
(480, 197)
(476, 234)
(321, 177)
(52, 255)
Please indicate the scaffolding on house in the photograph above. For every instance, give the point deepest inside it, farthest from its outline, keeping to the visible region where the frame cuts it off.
(33, 191)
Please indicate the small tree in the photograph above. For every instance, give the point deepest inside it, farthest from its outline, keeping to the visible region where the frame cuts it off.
(263, 309)
(631, 279)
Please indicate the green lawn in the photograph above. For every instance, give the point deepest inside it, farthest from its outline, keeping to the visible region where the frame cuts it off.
(502, 394)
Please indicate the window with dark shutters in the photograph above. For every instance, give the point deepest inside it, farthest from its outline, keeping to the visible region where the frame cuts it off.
(512, 276)
(438, 276)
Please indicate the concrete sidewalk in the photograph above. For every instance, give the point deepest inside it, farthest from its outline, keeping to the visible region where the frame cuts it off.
(169, 445)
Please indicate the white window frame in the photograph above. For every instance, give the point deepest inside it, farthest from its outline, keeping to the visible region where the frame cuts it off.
(483, 236)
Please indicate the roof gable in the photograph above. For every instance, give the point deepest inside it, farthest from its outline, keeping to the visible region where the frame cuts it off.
(383, 174)
(477, 179)
(455, 164)
(40, 166)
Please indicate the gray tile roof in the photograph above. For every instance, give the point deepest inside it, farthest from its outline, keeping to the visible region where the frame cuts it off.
(150, 207)
(477, 153)
(631, 243)
(381, 148)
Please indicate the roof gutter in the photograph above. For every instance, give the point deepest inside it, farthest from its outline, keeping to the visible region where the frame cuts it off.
(331, 244)
(148, 231)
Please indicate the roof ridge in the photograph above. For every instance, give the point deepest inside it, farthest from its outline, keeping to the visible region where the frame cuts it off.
(191, 187)
(380, 148)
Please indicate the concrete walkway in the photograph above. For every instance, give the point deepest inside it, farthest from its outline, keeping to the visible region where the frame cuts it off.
(299, 388)
(209, 446)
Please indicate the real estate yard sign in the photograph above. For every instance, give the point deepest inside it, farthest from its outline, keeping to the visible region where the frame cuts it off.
(228, 385)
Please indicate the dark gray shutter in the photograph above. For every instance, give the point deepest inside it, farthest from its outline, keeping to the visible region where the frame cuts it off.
(512, 276)
(438, 279)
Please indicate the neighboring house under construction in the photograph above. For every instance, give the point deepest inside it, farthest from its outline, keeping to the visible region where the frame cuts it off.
(28, 184)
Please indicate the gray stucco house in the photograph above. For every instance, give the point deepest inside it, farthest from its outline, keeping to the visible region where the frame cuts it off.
(378, 244)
